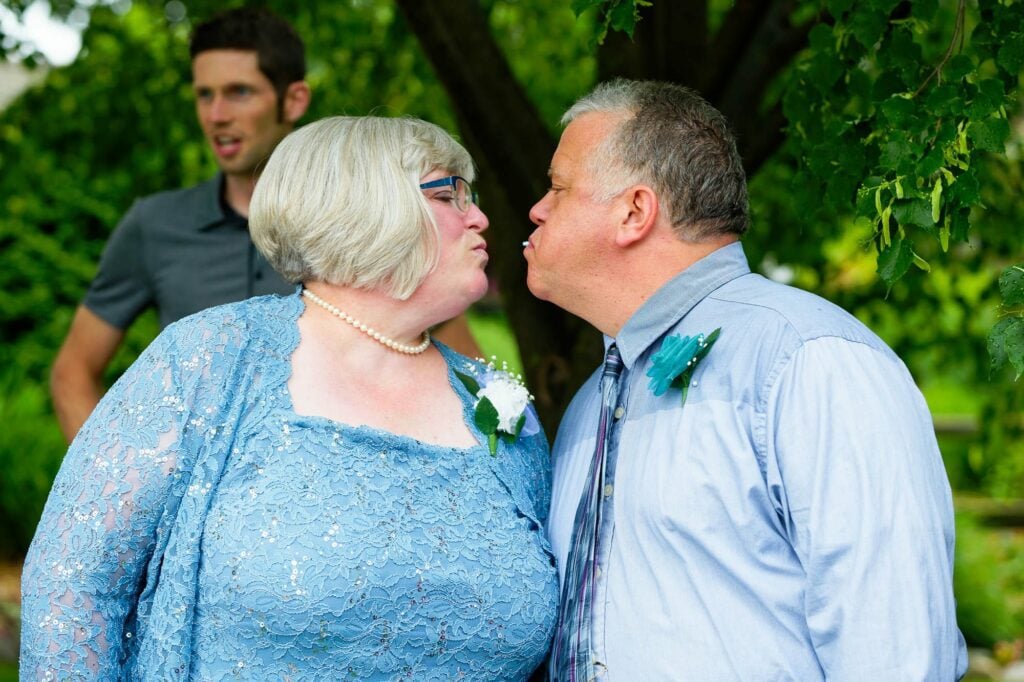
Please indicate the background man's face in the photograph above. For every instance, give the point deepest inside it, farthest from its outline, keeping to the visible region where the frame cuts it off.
(237, 109)
(567, 251)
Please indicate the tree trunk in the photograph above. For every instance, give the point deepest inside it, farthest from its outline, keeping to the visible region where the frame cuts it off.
(506, 136)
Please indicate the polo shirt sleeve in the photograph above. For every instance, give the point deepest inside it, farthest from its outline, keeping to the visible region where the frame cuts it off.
(122, 288)
(868, 511)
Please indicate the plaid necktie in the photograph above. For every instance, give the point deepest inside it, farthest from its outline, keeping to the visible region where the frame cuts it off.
(571, 658)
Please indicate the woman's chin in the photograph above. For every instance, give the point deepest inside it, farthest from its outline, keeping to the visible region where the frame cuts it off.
(470, 295)
(480, 288)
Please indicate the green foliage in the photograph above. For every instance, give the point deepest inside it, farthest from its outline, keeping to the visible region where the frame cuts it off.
(987, 567)
(1006, 343)
(31, 449)
(616, 15)
(66, 174)
(892, 123)
(546, 46)
(1011, 285)
(999, 465)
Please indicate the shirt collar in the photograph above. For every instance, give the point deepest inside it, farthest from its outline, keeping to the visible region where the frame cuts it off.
(676, 298)
(208, 209)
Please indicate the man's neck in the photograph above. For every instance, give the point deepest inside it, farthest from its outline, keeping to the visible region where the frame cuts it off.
(643, 272)
(238, 192)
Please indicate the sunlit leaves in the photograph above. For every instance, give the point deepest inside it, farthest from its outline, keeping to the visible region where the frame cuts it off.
(1006, 343)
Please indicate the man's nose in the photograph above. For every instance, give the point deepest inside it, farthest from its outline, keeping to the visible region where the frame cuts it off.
(539, 212)
(220, 110)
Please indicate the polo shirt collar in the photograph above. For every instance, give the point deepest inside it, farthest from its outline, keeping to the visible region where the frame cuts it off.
(208, 209)
(677, 297)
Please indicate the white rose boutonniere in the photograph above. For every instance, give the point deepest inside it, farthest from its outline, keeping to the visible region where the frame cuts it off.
(502, 404)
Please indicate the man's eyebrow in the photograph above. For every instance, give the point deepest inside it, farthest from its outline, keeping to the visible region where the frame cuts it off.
(233, 85)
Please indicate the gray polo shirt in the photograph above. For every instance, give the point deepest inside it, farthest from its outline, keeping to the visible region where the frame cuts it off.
(181, 252)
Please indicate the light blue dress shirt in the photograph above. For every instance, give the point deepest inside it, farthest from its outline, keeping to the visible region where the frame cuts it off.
(792, 521)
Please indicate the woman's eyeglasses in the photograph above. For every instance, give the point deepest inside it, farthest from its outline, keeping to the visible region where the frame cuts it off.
(463, 195)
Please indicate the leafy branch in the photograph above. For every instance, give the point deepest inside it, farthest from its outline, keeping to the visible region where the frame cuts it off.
(958, 37)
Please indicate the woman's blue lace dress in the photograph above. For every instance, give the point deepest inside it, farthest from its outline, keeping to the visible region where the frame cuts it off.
(200, 528)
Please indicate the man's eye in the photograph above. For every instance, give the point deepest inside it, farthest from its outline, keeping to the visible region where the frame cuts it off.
(240, 91)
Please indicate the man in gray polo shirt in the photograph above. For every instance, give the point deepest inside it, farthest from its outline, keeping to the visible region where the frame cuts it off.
(185, 250)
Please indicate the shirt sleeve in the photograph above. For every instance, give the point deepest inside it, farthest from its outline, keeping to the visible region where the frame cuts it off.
(86, 564)
(868, 509)
(122, 288)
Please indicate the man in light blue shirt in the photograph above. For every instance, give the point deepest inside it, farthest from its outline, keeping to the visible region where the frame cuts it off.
(787, 517)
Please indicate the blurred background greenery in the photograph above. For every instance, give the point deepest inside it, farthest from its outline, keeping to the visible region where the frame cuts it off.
(118, 122)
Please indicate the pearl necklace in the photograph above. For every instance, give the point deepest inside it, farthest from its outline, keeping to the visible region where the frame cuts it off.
(369, 331)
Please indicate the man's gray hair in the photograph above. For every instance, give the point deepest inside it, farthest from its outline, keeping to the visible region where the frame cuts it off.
(671, 139)
(340, 201)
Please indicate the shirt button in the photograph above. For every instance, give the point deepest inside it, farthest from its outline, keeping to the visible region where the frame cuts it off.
(259, 274)
(608, 490)
(619, 411)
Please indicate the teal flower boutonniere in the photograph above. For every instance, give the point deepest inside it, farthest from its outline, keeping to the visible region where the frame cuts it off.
(502, 404)
(674, 363)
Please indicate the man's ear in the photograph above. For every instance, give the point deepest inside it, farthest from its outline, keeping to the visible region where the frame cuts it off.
(296, 101)
(640, 215)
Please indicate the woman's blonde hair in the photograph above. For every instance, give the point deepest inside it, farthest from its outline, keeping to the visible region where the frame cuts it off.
(339, 201)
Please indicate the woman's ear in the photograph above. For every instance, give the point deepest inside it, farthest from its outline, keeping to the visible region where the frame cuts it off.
(640, 215)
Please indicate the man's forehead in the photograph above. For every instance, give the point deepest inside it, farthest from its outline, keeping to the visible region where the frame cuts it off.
(234, 65)
(581, 137)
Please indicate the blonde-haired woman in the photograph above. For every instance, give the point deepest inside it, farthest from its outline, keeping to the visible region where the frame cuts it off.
(302, 487)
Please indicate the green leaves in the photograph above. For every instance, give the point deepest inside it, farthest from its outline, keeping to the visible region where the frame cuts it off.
(1011, 285)
(469, 382)
(990, 134)
(892, 113)
(486, 419)
(1006, 342)
(1011, 54)
(868, 27)
(838, 7)
(618, 15)
(581, 6)
(894, 261)
(1006, 345)
(914, 212)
